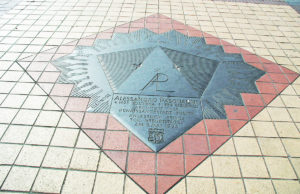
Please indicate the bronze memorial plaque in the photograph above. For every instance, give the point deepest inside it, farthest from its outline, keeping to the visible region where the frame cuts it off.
(158, 85)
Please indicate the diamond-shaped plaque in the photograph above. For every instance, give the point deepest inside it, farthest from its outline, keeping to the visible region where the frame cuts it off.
(155, 91)
(158, 82)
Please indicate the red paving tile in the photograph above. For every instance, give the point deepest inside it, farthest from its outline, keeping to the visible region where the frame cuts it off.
(292, 77)
(165, 182)
(191, 161)
(166, 164)
(251, 58)
(121, 30)
(236, 112)
(138, 145)
(272, 68)
(119, 157)
(287, 71)
(104, 35)
(116, 140)
(258, 66)
(152, 26)
(60, 101)
(77, 104)
(199, 128)
(195, 144)
(96, 136)
(137, 25)
(174, 147)
(254, 110)
(76, 117)
(252, 99)
(267, 88)
(114, 124)
(195, 33)
(278, 78)
(62, 89)
(268, 98)
(265, 78)
(216, 141)
(94, 121)
(235, 125)
(217, 127)
(280, 87)
(231, 49)
(213, 41)
(265, 61)
(146, 181)
(141, 163)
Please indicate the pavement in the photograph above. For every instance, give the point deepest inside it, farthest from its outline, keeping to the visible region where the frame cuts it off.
(54, 138)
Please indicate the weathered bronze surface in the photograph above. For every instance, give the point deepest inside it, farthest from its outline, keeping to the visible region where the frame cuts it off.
(158, 85)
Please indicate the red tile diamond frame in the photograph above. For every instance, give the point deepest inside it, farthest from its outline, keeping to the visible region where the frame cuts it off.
(157, 172)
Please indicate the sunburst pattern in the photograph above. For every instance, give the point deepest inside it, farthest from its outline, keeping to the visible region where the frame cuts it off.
(210, 75)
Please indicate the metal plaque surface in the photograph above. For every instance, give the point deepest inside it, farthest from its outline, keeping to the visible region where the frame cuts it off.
(158, 85)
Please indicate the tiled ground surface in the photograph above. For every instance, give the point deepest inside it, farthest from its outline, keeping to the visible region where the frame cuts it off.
(43, 150)
(6, 5)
